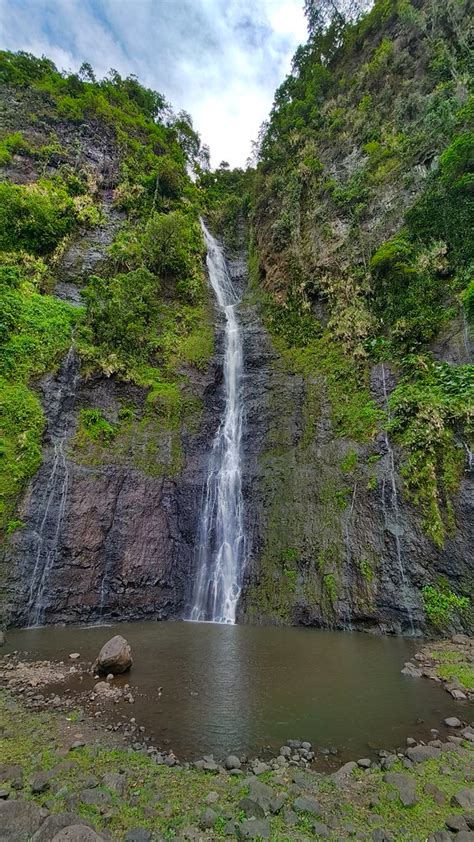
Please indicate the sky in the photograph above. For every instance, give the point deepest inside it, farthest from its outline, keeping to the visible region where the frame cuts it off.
(220, 60)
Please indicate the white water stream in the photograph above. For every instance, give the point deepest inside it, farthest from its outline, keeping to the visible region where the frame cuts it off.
(221, 538)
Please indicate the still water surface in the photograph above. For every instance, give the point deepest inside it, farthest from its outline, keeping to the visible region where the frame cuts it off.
(246, 688)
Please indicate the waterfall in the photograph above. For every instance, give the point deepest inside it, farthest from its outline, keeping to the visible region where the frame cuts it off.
(53, 506)
(395, 507)
(221, 540)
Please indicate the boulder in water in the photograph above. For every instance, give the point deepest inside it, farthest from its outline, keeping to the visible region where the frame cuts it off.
(115, 657)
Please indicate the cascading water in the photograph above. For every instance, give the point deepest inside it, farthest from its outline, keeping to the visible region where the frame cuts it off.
(53, 506)
(221, 539)
(395, 509)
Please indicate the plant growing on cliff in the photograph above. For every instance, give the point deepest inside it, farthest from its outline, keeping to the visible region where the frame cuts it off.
(441, 604)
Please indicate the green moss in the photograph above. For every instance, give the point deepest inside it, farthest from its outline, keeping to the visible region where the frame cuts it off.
(349, 463)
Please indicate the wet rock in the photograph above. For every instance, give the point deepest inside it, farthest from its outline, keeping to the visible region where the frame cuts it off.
(19, 820)
(74, 656)
(254, 829)
(77, 833)
(307, 804)
(418, 754)
(259, 768)
(232, 762)
(115, 657)
(464, 798)
(453, 722)
(405, 785)
(458, 695)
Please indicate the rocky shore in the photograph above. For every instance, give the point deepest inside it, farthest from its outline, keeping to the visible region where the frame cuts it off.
(448, 662)
(70, 771)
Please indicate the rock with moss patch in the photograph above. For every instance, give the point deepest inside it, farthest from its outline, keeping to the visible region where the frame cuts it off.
(115, 657)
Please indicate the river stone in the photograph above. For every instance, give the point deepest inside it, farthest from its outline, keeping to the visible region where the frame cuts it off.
(19, 820)
(232, 762)
(114, 657)
(254, 829)
(452, 722)
(77, 833)
(55, 823)
(418, 754)
(307, 804)
(464, 798)
(406, 787)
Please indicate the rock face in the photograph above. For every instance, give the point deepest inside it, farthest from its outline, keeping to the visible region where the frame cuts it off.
(110, 533)
(115, 656)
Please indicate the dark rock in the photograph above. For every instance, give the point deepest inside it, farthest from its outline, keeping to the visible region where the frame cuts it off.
(464, 798)
(19, 820)
(57, 822)
(344, 773)
(436, 794)
(77, 833)
(40, 782)
(95, 797)
(115, 657)
(254, 829)
(251, 808)
(232, 762)
(381, 835)
(307, 804)
(208, 819)
(405, 785)
(440, 836)
(13, 775)
(456, 823)
(115, 782)
(418, 754)
(453, 722)
(278, 802)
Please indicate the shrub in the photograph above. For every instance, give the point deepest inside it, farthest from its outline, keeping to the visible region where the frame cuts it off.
(441, 604)
(34, 217)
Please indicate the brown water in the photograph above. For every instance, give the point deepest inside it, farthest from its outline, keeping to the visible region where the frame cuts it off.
(246, 688)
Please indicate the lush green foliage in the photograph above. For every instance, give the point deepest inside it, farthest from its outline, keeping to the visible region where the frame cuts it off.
(441, 604)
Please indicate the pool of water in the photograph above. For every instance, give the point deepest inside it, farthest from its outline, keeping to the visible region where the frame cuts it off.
(249, 688)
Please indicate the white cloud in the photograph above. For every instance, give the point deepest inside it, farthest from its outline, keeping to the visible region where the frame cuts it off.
(221, 60)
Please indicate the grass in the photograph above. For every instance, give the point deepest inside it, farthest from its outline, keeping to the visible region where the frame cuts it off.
(166, 800)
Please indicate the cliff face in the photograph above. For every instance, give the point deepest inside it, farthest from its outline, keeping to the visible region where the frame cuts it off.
(357, 471)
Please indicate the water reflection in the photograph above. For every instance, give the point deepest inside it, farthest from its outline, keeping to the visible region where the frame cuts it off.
(242, 688)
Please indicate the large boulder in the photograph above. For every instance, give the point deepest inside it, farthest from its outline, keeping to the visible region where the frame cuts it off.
(115, 656)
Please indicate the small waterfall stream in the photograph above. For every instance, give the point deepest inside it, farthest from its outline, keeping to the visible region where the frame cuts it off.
(221, 538)
(394, 507)
(53, 505)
